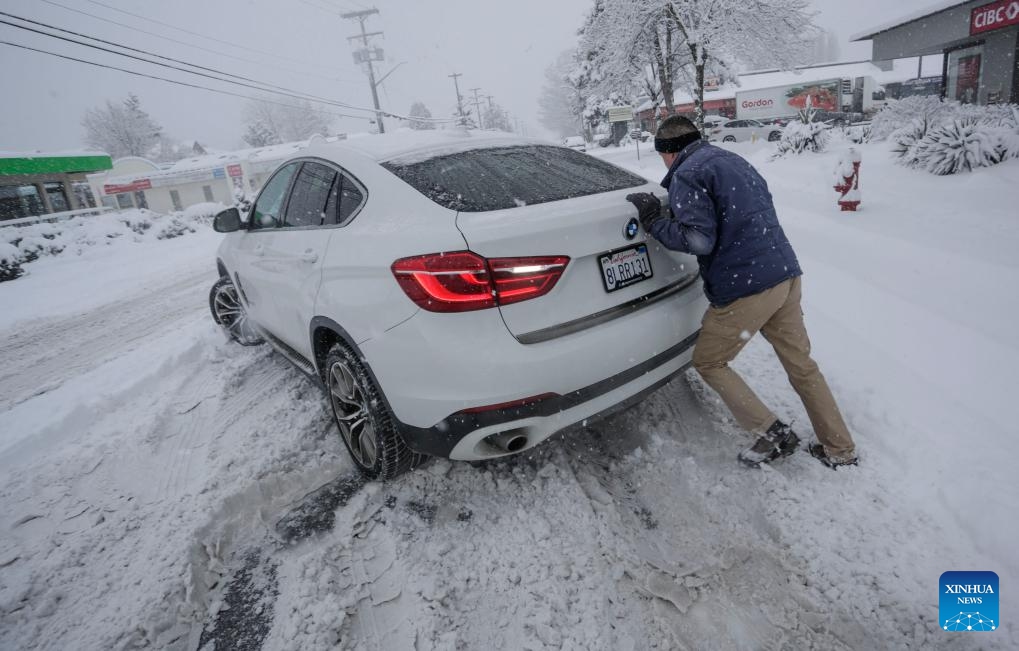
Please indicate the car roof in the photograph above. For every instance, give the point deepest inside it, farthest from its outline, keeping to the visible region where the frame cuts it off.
(408, 146)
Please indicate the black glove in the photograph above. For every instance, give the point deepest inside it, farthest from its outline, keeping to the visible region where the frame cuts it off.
(649, 208)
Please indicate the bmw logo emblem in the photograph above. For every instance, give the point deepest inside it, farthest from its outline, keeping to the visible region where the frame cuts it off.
(631, 228)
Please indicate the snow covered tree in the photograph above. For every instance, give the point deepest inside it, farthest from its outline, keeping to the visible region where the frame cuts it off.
(122, 129)
(257, 134)
(496, 118)
(628, 48)
(419, 110)
(726, 32)
(272, 122)
(560, 105)
(656, 44)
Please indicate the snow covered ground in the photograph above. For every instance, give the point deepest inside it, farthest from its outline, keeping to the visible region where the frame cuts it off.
(163, 488)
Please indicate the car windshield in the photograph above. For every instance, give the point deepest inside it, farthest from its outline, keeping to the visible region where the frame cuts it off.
(507, 177)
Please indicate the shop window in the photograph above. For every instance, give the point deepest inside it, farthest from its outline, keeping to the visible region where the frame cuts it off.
(175, 198)
(964, 74)
(55, 193)
(124, 201)
(83, 192)
(20, 201)
(207, 191)
(139, 200)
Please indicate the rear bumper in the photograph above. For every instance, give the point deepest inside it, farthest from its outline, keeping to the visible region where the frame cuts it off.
(462, 435)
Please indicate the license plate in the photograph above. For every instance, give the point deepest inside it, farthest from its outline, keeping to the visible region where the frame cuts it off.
(625, 267)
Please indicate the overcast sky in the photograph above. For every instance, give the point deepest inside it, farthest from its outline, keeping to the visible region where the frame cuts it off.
(501, 46)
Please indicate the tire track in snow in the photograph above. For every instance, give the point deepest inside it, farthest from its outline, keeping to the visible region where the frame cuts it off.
(40, 356)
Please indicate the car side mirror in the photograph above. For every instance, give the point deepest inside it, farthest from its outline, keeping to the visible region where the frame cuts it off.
(227, 221)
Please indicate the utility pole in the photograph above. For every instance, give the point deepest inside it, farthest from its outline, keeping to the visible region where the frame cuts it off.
(459, 100)
(489, 98)
(366, 55)
(477, 107)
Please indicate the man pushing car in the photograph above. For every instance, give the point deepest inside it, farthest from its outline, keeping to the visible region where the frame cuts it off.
(720, 210)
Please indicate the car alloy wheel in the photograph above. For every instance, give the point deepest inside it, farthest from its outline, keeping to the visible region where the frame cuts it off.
(352, 417)
(729, 139)
(228, 311)
(363, 418)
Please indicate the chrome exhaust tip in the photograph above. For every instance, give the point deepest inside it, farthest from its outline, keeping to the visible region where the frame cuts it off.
(512, 441)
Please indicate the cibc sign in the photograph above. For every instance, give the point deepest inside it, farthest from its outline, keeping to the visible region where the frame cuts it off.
(994, 16)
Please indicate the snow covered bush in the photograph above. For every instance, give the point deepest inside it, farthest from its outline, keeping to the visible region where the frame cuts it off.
(176, 227)
(948, 138)
(960, 145)
(10, 262)
(898, 114)
(800, 137)
(30, 243)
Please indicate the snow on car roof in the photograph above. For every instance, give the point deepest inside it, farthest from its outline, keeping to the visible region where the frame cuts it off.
(408, 145)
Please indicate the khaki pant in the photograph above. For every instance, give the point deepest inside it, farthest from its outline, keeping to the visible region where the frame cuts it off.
(777, 315)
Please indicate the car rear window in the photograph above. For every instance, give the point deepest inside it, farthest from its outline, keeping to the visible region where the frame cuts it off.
(506, 177)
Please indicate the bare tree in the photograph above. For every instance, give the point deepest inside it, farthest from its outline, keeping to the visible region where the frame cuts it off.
(419, 110)
(271, 123)
(122, 129)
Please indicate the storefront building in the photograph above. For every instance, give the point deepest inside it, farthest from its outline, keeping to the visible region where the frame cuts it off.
(979, 41)
(33, 184)
(138, 183)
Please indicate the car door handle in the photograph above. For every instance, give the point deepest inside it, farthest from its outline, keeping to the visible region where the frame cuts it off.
(258, 250)
(309, 256)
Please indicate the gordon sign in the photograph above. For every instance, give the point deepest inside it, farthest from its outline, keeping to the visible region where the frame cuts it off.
(994, 16)
(782, 101)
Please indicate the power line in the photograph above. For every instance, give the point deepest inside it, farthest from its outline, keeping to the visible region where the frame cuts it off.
(199, 86)
(215, 39)
(321, 8)
(288, 93)
(133, 49)
(172, 81)
(199, 47)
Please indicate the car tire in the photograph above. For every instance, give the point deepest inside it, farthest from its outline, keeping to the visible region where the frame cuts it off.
(228, 312)
(729, 139)
(365, 425)
(774, 135)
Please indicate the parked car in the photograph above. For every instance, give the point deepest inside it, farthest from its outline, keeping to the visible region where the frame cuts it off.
(743, 130)
(575, 142)
(838, 118)
(641, 135)
(455, 295)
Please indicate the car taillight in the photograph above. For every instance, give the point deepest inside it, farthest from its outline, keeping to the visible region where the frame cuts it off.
(462, 281)
(520, 279)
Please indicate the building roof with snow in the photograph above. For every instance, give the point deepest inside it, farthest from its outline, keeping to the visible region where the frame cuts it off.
(908, 18)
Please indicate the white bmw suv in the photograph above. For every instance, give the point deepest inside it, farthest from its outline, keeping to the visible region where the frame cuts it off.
(455, 294)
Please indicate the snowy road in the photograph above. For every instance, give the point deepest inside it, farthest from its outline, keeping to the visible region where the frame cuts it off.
(162, 488)
(41, 355)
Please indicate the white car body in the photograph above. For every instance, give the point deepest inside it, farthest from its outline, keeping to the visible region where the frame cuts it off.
(590, 349)
(742, 131)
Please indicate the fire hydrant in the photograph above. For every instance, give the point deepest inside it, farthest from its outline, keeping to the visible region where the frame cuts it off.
(847, 180)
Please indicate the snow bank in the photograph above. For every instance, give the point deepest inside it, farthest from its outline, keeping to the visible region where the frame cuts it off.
(35, 243)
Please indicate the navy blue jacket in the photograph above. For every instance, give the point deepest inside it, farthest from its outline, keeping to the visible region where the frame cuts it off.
(723, 213)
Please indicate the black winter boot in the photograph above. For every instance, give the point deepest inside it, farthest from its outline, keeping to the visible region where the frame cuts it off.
(779, 441)
(818, 452)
